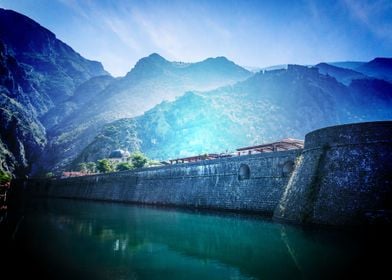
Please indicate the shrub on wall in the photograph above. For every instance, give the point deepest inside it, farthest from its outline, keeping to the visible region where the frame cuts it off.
(139, 160)
(104, 166)
(123, 166)
(5, 177)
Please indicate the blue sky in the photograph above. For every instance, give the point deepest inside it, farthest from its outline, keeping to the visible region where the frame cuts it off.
(251, 33)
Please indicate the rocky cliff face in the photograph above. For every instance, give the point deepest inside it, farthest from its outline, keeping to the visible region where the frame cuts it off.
(22, 136)
(38, 73)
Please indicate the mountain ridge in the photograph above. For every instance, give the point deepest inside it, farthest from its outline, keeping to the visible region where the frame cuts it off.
(152, 80)
(379, 67)
(59, 108)
(343, 75)
(267, 106)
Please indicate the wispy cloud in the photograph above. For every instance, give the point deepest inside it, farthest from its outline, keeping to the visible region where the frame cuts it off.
(371, 14)
(77, 7)
(186, 34)
(161, 34)
(123, 31)
(218, 29)
(113, 19)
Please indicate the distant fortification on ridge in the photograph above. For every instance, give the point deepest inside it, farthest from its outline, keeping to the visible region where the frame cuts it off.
(342, 176)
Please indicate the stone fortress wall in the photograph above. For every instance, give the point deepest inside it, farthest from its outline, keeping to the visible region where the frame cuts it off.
(343, 176)
(253, 182)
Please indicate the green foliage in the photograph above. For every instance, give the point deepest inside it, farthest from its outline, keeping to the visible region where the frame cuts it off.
(5, 177)
(123, 166)
(104, 166)
(87, 167)
(49, 175)
(111, 131)
(138, 160)
(91, 167)
(82, 167)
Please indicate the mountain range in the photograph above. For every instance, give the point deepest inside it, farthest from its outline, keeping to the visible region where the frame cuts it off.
(59, 109)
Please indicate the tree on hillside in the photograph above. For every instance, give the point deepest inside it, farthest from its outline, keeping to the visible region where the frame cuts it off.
(82, 167)
(91, 167)
(138, 160)
(123, 166)
(87, 167)
(104, 166)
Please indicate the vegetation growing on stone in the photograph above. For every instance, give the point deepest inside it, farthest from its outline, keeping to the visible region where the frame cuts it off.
(91, 167)
(123, 166)
(139, 160)
(105, 165)
(87, 167)
(5, 177)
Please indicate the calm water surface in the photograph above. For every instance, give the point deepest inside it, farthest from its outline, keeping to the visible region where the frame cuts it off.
(66, 239)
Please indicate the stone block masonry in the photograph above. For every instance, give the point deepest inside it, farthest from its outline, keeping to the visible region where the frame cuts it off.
(247, 183)
(343, 176)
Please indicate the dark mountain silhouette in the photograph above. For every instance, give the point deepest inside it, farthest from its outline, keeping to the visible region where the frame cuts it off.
(380, 67)
(347, 64)
(343, 75)
(59, 68)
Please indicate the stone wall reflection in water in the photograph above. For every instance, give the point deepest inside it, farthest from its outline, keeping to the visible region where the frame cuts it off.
(113, 241)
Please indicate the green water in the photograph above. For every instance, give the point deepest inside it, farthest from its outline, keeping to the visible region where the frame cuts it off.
(66, 239)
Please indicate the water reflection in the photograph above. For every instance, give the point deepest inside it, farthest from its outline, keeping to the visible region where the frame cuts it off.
(113, 241)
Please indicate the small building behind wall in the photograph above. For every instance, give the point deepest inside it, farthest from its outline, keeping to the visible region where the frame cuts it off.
(282, 145)
(119, 155)
(194, 158)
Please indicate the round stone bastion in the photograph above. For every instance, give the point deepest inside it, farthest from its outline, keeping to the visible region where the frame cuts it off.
(343, 177)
